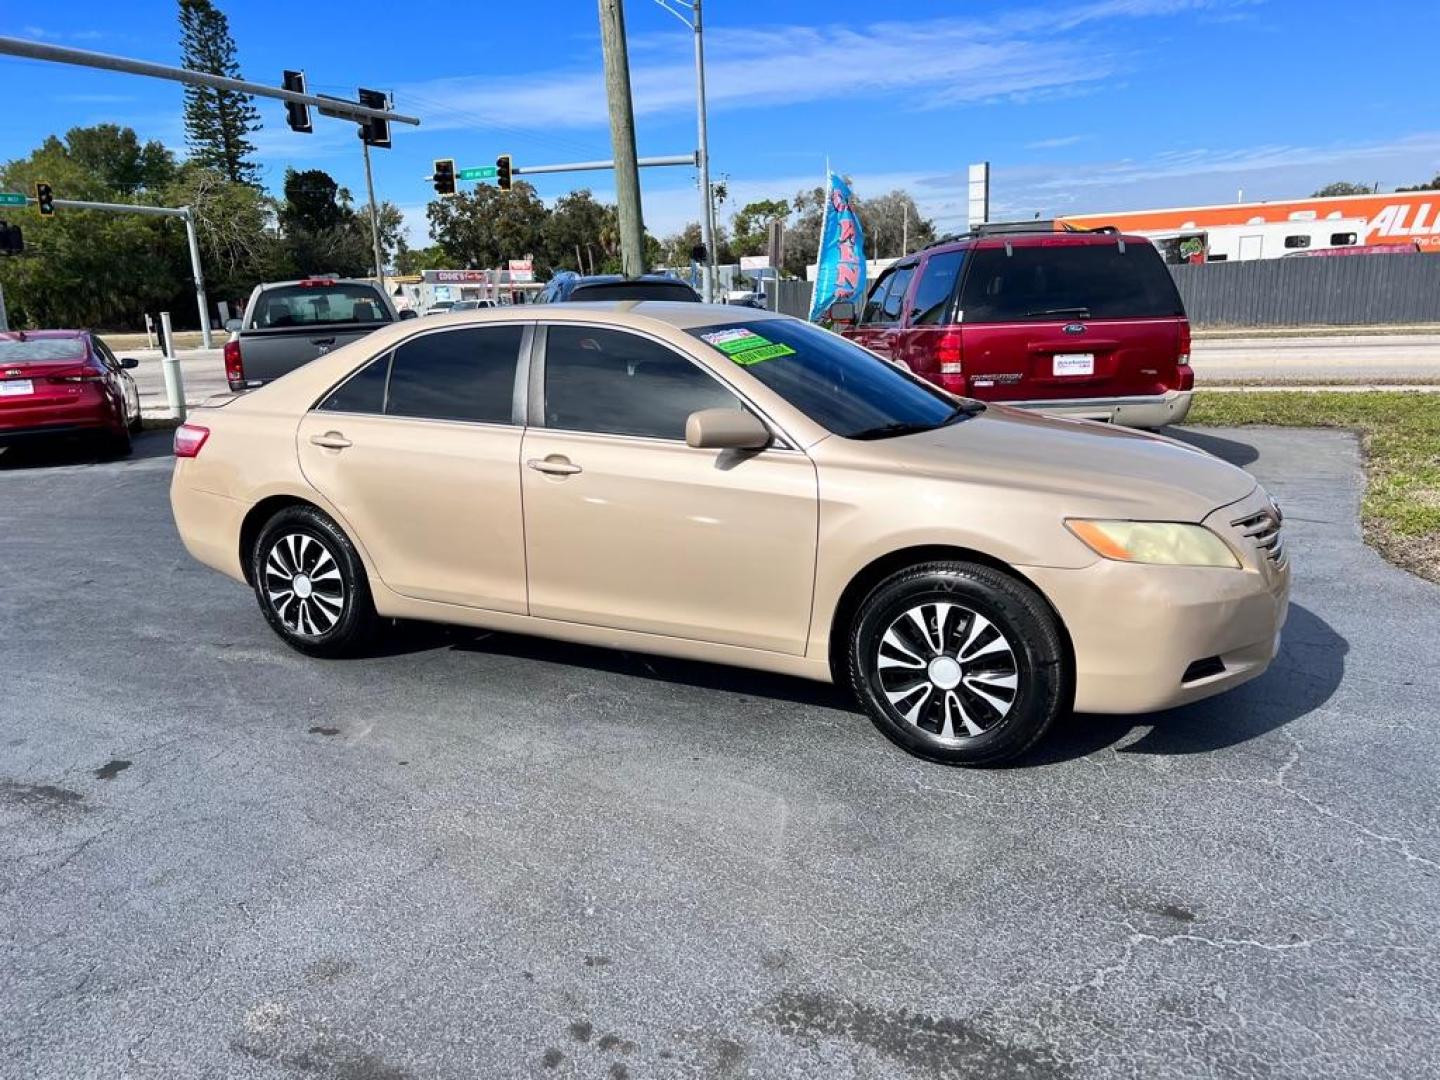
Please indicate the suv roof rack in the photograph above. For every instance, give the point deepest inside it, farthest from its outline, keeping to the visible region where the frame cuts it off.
(1042, 226)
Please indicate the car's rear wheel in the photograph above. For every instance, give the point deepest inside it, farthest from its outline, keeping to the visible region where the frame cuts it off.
(311, 584)
(117, 444)
(958, 663)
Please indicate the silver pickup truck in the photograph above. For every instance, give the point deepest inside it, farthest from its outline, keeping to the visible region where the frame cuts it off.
(289, 323)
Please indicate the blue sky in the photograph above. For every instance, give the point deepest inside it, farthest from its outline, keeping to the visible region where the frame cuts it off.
(1081, 105)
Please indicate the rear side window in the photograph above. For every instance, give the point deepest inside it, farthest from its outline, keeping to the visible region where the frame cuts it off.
(1298, 240)
(1035, 283)
(305, 305)
(936, 288)
(363, 392)
(456, 375)
(1343, 239)
(617, 383)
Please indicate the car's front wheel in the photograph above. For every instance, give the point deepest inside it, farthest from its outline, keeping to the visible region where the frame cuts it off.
(958, 663)
(311, 584)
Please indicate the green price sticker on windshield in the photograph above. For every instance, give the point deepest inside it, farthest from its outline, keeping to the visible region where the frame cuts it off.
(746, 347)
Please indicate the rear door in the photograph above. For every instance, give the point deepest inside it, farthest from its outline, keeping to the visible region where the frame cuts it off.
(1069, 318)
(879, 325)
(419, 452)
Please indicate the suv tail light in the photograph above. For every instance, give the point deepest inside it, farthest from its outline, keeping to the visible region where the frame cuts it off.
(189, 438)
(234, 365)
(1184, 358)
(952, 370)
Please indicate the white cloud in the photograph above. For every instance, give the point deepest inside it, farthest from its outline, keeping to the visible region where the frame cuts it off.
(1025, 53)
(1055, 143)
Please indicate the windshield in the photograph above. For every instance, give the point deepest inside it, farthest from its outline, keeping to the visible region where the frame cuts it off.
(837, 384)
(39, 350)
(305, 305)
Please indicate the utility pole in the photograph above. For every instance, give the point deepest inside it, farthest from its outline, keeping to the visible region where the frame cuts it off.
(374, 214)
(707, 203)
(622, 137)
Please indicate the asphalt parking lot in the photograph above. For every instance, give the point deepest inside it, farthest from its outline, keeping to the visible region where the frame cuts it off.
(487, 856)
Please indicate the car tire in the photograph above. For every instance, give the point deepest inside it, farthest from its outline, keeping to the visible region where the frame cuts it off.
(117, 444)
(958, 663)
(311, 585)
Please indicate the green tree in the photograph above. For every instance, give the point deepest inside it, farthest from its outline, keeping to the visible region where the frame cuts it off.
(114, 157)
(310, 201)
(580, 233)
(751, 223)
(486, 227)
(1341, 187)
(892, 221)
(218, 123)
(410, 260)
(1433, 185)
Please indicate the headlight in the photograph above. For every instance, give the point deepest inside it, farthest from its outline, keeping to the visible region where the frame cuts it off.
(1163, 543)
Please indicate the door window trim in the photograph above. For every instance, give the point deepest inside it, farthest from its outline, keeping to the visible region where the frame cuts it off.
(783, 442)
(522, 364)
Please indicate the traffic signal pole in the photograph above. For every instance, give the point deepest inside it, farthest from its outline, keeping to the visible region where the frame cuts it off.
(191, 238)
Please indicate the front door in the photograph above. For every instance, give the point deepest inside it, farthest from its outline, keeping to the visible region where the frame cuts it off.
(419, 454)
(628, 527)
(878, 328)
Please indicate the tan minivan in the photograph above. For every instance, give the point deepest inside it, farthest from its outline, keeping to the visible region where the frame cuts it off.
(723, 484)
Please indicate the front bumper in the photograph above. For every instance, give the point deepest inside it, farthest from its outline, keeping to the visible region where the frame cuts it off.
(1146, 411)
(1137, 630)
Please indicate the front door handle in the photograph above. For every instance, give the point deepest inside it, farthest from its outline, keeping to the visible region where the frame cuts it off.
(331, 440)
(555, 465)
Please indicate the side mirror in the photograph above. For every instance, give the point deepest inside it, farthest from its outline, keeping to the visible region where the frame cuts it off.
(409, 313)
(232, 326)
(726, 429)
(129, 363)
(842, 313)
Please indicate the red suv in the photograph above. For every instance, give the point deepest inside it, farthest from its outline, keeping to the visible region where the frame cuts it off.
(1085, 324)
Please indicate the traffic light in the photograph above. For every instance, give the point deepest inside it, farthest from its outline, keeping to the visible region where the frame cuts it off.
(502, 172)
(297, 115)
(374, 130)
(45, 198)
(12, 242)
(444, 176)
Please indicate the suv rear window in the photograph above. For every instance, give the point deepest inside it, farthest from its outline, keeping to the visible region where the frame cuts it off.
(1064, 281)
(305, 305)
(635, 290)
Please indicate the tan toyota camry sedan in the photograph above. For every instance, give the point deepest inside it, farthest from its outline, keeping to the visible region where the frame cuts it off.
(728, 485)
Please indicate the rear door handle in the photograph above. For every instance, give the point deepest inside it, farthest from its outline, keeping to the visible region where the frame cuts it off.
(555, 466)
(331, 440)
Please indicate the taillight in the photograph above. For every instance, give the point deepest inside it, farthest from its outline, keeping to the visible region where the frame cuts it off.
(234, 364)
(1184, 358)
(189, 438)
(948, 353)
(78, 378)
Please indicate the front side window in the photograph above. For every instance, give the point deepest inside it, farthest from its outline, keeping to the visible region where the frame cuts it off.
(876, 301)
(1297, 240)
(464, 375)
(617, 383)
(937, 286)
(894, 305)
(837, 384)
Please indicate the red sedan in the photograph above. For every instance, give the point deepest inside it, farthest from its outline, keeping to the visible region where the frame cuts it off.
(55, 383)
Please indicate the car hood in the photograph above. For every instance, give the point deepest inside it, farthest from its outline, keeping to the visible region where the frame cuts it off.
(1090, 468)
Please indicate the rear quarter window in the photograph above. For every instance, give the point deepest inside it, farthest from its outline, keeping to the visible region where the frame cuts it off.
(1040, 283)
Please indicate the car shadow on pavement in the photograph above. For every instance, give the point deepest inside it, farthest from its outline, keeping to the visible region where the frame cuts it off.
(655, 668)
(1231, 450)
(77, 450)
(1302, 678)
